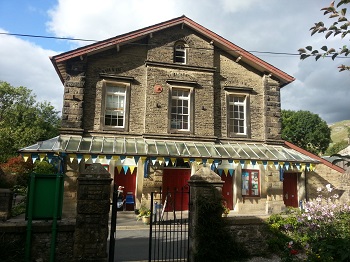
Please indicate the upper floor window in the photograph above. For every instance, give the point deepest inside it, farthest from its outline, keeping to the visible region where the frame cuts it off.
(115, 105)
(250, 182)
(180, 53)
(180, 109)
(237, 114)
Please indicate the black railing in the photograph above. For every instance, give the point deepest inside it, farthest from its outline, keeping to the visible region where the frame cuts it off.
(169, 226)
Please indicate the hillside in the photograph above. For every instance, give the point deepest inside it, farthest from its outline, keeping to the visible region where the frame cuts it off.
(339, 131)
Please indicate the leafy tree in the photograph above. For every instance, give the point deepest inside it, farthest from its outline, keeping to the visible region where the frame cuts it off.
(306, 130)
(337, 28)
(23, 121)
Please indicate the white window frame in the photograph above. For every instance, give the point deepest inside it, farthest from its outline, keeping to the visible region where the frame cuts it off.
(238, 117)
(180, 53)
(122, 111)
(179, 116)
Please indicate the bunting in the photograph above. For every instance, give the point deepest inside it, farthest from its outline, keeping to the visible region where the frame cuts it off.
(213, 163)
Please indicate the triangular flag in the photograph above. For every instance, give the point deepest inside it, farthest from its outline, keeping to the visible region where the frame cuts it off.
(86, 158)
(108, 159)
(119, 168)
(264, 164)
(25, 157)
(50, 157)
(153, 160)
(143, 159)
(93, 158)
(230, 171)
(136, 159)
(79, 157)
(276, 165)
(34, 157)
(286, 164)
(72, 157)
(226, 171)
(42, 157)
(131, 169)
(173, 160)
(220, 172)
(253, 162)
(160, 160)
(198, 161)
(192, 160)
(115, 158)
(166, 160)
(242, 163)
(298, 166)
(230, 162)
(125, 169)
(122, 158)
(186, 160)
(216, 162)
(308, 166)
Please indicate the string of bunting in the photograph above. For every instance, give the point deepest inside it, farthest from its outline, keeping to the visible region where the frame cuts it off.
(214, 163)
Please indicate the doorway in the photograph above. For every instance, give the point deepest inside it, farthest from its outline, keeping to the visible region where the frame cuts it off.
(290, 189)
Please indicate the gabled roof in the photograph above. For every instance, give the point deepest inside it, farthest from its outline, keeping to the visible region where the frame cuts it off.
(218, 41)
(320, 159)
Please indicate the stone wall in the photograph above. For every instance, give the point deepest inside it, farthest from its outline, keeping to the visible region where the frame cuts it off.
(251, 232)
(15, 233)
(6, 198)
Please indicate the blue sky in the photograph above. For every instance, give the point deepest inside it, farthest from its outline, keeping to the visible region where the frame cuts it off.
(255, 25)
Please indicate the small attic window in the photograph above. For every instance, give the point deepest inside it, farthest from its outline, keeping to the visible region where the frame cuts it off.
(180, 53)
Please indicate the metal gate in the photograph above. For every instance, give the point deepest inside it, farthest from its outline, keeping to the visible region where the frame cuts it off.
(169, 226)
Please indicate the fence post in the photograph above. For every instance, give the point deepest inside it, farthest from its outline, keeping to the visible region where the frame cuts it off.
(93, 203)
(205, 183)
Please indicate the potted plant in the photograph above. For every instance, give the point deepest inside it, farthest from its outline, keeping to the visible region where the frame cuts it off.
(225, 209)
(144, 214)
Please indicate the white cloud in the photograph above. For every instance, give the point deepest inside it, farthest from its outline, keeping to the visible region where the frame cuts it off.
(23, 63)
(83, 19)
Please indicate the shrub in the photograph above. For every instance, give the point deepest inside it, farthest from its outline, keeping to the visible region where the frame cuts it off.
(321, 231)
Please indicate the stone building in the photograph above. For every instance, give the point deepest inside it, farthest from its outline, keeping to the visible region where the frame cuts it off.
(155, 104)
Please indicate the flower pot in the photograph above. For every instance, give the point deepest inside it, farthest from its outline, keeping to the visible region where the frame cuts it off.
(146, 220)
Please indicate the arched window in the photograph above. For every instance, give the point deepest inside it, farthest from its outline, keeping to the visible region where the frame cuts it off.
(180, 53)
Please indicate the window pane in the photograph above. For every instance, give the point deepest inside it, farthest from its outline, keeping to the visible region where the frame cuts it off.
(180, 111)
(115, 105)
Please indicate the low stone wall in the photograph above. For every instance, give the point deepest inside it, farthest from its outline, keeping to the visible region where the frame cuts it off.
(15, 233)
(252, 232)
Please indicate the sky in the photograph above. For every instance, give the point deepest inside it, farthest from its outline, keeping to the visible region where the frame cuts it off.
(277, 26)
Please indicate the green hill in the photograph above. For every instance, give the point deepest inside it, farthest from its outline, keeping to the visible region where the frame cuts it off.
(339, 132)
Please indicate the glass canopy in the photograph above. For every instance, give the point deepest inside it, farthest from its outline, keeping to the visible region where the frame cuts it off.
(137, 146)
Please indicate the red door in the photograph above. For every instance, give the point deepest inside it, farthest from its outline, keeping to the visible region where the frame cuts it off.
(227, 190)
(290, 191)
(128, 180)
(175, 181)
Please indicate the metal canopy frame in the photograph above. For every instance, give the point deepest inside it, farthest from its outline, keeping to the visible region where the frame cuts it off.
(138, 146)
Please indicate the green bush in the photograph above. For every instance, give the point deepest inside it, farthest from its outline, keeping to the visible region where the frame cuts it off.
(320, 232)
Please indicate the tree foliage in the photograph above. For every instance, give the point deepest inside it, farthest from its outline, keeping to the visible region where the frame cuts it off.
(23, 121)
(340, 27)
(306, 130)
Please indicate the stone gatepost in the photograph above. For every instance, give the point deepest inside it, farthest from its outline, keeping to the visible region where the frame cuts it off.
(204, 184)
(6, 198)
(93, 203)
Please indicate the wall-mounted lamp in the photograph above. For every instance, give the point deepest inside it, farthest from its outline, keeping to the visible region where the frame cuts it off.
(238, 58)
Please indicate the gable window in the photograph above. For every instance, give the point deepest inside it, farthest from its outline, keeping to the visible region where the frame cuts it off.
(180, 109)
(250, 182)
(180, 53)
(237, 115)
(115, 105)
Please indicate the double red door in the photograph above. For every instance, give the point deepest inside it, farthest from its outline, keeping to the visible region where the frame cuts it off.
(127, 180)
(175, 188)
